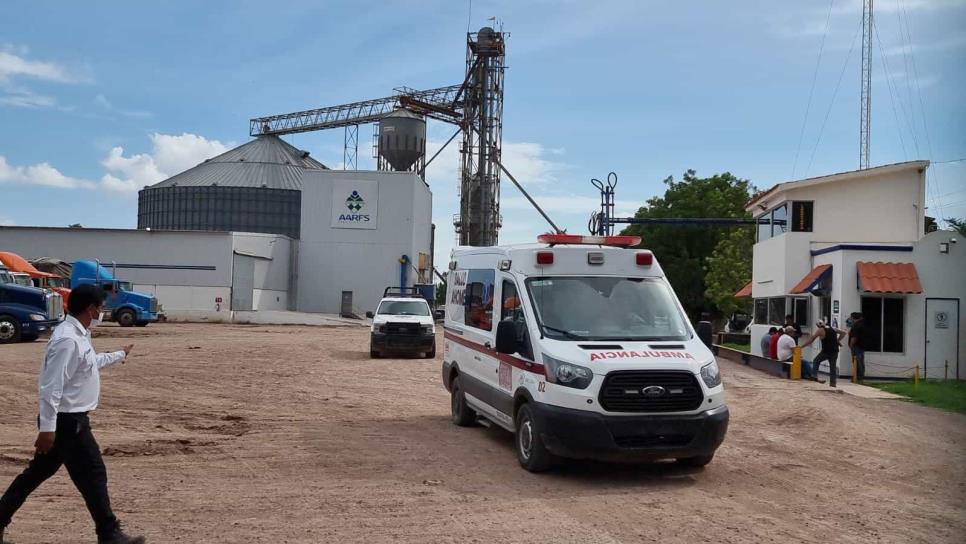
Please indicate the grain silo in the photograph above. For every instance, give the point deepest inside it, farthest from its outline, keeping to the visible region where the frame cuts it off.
(255, 187)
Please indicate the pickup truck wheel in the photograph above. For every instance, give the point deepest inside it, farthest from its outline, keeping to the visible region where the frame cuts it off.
(461, 414)
(374, 354)
(431, 354)
(531, 452)
(125, 318)
(695, 462)
(9, 330)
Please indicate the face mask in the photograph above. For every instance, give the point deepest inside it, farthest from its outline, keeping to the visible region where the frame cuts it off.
(95, 321)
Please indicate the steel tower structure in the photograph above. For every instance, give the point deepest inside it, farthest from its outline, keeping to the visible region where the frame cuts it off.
(478, 223)
(865, 121)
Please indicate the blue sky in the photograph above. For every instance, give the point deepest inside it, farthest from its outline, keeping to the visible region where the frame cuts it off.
(98, 99)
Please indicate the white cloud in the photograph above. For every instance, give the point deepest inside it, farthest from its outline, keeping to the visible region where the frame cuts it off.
(942, 45)
(567, 204)
(14, 65)
(40, 174)
(25, 98)
(106, 104)
(170, 154)
(850, 7)
(4, 222)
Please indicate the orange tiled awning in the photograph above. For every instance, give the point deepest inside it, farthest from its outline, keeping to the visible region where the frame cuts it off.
(888, 278)
(812, 279)
(744, 291)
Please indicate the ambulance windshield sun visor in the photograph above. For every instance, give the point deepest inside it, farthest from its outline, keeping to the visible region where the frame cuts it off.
(606, 308)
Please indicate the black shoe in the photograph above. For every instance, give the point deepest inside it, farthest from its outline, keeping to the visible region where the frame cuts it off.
(120, 537)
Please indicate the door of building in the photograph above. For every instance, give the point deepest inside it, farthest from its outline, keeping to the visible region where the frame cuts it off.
(242, 283)
(942, 339)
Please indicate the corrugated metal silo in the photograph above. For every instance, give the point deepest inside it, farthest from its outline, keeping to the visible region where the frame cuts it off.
(255, 187)
(402, 140)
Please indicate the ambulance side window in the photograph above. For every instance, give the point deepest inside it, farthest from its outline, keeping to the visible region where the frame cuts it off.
(478, 300)
(512, 310)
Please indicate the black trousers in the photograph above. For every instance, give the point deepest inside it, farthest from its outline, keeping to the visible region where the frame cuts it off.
(833, 361)
(75, 448)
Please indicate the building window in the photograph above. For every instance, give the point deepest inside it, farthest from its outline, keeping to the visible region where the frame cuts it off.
(776, 311)
(761, 311)
(779, 220)
(478, 299)
(802, 216)
(764, 227)
(884, 324)
(800, 311)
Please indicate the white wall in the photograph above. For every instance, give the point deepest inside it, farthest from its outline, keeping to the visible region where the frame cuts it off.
(363, 261)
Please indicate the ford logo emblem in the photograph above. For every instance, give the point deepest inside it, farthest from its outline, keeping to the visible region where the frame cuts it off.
(653, 391)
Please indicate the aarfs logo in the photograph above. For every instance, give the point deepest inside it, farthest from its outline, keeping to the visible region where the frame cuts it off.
(355, 204)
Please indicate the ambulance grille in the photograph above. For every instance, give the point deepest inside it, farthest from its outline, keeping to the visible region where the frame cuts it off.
(623, 391)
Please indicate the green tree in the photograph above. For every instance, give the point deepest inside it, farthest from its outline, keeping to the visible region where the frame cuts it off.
(728, 269)
(958, 224)
(441, 294)
(683, 250)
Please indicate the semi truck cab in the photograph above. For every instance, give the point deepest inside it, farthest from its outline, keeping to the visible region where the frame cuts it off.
(121, 304)
(579, 346)
(44, 280)
(26, 313)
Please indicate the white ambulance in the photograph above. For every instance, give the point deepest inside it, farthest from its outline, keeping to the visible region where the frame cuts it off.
(579, 346)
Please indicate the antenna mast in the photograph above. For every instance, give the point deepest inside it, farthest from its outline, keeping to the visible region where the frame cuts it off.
(865, 123)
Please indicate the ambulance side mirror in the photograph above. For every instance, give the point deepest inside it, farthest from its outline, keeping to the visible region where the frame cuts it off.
(370, 315)
(506, 337)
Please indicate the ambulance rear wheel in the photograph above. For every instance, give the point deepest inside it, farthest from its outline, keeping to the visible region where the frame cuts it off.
(531, 452)
(462, 414)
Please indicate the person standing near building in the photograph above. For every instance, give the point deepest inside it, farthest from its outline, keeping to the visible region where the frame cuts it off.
(857, 344)
(790, 322)
(773, 343)
(786, 350)
(766, 341)
(704, 330)
(69, 389)
(830, 338)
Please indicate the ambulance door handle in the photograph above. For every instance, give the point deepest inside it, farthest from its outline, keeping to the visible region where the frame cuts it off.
(487, 345)
(475, 357)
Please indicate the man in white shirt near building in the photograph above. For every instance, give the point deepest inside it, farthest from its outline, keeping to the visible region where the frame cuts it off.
(786, 348)
(69, 386)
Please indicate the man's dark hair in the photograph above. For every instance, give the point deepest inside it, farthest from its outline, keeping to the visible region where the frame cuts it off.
(856, 315)
(789, 317)
(82, 297)
(773, 330)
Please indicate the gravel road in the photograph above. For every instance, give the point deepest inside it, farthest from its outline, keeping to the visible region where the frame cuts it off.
(226, 433)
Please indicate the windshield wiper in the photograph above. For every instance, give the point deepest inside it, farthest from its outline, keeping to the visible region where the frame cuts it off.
(568, 334)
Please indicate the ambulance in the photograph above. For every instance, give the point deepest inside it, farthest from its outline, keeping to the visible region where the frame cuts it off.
(579, 346)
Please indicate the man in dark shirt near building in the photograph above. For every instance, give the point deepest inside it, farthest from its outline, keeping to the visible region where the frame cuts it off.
(829, 338)
(790, 322)
(857, 345)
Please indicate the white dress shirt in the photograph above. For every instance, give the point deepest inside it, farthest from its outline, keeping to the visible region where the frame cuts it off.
(70, 379)
(785, 346)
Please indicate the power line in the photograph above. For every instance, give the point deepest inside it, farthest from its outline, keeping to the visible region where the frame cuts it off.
(922, 108)
(951, 160)
(811, 90)
(893, 94)
(835, 93)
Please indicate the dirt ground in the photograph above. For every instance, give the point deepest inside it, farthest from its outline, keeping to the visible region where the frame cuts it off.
(220, 433)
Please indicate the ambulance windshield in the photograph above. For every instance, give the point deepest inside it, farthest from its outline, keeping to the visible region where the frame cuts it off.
(606, 308)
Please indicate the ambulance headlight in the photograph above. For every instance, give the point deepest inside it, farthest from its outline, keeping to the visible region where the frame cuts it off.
(567, 374)
(711, 375)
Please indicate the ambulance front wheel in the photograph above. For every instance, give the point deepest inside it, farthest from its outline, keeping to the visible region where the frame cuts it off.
(531, 451)
(695, 462)
(462, 414)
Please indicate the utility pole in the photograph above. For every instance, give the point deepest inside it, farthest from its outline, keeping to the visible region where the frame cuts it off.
(865, 122)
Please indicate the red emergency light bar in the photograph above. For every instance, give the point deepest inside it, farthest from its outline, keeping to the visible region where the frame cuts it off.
(619, 241)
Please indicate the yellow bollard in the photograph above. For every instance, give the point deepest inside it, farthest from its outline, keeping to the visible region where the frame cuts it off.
(915, 377)
(795, 372)
(855, 369)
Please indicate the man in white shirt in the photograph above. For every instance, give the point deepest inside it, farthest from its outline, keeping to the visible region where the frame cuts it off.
(786, 349)
(69, 386)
